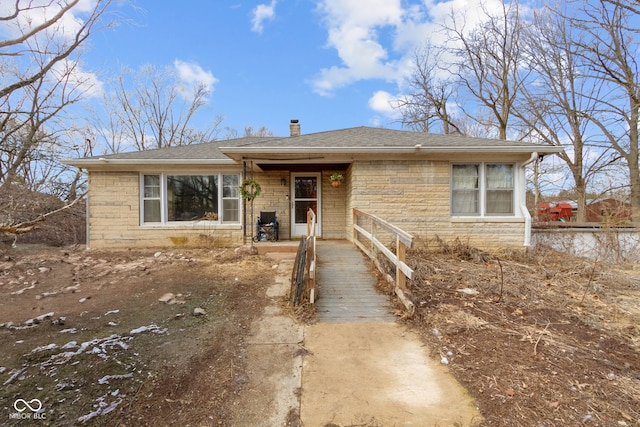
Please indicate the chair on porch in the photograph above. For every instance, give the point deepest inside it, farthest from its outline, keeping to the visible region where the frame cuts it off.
(266, 227)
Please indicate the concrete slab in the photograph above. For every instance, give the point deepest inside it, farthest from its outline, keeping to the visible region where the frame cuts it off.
(377, 374)
(274, 360)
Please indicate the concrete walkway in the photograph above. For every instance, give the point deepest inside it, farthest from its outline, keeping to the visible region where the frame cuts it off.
(377, 374)
(347, 285)
(363, 368)
(347, 372)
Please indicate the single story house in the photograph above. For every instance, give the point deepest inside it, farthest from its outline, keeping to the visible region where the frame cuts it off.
(427, 184)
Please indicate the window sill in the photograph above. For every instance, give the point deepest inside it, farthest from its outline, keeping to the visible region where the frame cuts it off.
(193, 224)
(469, 219)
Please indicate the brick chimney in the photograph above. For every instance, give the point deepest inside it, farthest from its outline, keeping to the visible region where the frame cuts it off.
(294, 128)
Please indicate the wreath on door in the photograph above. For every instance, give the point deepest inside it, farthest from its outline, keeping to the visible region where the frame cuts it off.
(250, 189)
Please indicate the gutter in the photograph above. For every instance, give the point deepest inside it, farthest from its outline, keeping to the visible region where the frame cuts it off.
(103, 161)
(384, 150)
(523, 205)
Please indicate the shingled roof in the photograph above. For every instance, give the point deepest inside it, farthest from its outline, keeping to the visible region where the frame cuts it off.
(352, 141)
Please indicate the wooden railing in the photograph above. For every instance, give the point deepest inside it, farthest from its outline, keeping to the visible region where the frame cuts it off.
(311, 254)
(378, 232)
(303, 277)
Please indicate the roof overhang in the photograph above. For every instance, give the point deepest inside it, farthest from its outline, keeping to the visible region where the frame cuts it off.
(331, 154)
(90, 163)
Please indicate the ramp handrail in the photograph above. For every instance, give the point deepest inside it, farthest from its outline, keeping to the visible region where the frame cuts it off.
(394, 234)
(303, 277)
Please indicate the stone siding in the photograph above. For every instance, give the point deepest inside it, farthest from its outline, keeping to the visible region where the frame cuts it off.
(414, 195)
(334, 208)
(114, 219)
(273, 199)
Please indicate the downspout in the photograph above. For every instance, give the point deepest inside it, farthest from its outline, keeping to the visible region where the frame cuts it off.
(87, 228)
(244, 204)
(523, 205)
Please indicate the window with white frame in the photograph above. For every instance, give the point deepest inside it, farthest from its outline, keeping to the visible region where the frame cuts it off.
(177, 198)
(480, 189)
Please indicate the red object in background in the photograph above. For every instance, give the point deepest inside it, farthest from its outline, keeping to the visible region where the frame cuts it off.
(545, 213)
(565, 211)
(559, 212)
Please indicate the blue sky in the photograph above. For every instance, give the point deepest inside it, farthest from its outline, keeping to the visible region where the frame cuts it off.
(329, 63)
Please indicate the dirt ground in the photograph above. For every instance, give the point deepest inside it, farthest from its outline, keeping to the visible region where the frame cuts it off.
(85, 334)
(538, 340)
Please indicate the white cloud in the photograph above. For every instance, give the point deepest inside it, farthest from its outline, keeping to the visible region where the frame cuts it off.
(40, 11)
(353, 30)
(191, 73)
(261, 13)
(382, 102)
(375, 39)
(77, 82)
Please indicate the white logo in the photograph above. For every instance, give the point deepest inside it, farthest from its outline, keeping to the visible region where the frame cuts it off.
(22, 405)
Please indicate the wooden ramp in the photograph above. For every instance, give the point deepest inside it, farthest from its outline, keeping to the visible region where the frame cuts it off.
(347, 285)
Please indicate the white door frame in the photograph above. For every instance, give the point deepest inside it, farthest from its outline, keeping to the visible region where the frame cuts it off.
(300, 228)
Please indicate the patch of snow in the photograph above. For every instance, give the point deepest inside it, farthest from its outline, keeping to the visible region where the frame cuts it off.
(103, 409)
(45, 316)
(151, 328)
(107, 378)
(15, 375)
(44, 348)
(98, 346)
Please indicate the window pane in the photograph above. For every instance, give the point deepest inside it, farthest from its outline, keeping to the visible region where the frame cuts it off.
(499, 197)
(231, 185)
(465, 190)
(190, 197)
(499, 176)
(464, 202)
(302, 207)
(306, 187)
(499, 202)
(151, 186)
(152, 211)
(465, 176)
(230, 210)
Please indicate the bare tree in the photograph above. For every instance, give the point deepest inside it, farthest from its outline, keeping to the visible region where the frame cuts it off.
(151, 108)
(427, 103)
(558, 106)
(42, 42)
(488, 65)
(248, 131)
(611, 52)
(40, 82)
(261, 131)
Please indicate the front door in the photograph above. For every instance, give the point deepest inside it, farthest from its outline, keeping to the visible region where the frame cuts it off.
(305, 190)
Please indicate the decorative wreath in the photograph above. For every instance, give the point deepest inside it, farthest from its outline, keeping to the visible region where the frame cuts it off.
(250, 189)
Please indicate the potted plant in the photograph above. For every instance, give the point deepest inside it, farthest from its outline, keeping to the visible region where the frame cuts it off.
(336, 179)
